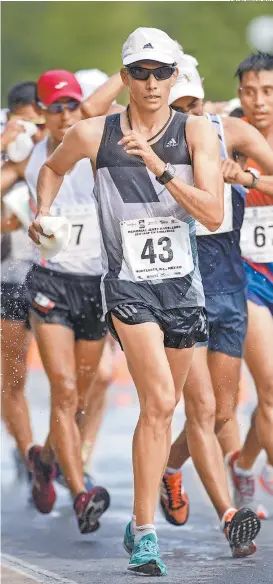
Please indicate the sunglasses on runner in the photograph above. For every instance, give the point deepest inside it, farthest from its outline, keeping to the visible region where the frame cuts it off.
(58, 108)
(160, 73)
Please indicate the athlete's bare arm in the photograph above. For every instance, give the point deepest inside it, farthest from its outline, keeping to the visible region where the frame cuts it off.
(11, 172)
(205, 200)
(81, 141)
(234, 175)
(246, 139)
(100, 102)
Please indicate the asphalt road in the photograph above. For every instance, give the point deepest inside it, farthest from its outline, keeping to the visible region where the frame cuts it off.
(50, 549)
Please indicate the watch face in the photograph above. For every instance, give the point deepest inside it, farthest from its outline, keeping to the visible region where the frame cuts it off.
(254, 171)
(170, 169)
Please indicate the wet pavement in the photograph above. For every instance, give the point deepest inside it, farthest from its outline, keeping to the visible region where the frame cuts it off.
(50, 549)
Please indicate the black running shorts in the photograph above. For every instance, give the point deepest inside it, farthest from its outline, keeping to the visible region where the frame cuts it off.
(182, 327)
(71, 300)
(14, 302)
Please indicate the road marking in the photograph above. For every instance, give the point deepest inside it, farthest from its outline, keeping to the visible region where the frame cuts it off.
(33, 572)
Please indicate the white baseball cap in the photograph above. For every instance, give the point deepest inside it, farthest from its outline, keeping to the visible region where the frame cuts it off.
(90, 80)
(149, 44)
(188, 82)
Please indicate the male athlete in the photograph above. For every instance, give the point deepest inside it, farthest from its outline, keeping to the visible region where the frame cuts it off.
(65, 305)
(215, 369)
(153, 294)
(255, 75)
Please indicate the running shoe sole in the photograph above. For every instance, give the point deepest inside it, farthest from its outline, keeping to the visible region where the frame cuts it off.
(95, 509)
(149, 569)
(170, 518)
(243, 528)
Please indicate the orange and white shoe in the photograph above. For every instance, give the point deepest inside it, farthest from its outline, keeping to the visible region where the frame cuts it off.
(240, 528)
(266, 479)
(244, 484)
(173, 499)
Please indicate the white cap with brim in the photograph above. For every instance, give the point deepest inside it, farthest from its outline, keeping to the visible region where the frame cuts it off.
(149, 44)
(90, 80)
(188, 83)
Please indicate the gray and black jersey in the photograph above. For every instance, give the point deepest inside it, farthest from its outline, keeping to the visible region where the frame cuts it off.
(149, 250)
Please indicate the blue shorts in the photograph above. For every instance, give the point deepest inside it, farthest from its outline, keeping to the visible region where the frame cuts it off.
(227, 319)
(259, 288)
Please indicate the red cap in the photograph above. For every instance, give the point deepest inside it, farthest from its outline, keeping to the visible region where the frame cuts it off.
(55, 84)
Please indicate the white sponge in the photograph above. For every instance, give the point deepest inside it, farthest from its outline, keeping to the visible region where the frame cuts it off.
(60, 229)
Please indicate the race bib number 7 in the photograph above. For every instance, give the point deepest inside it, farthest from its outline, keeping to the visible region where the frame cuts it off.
(257, 234)
(156, 248)
(84, 240)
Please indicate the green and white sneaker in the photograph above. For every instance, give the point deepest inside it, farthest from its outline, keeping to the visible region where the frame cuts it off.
(145, 558)
(129, 539)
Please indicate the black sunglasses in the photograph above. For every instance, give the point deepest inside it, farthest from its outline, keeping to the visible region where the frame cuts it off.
(160, 73)
(58, 108)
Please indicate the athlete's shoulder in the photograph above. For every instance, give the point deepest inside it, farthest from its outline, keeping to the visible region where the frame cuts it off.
(89, 127)
(85, 136)
(199, 130)
(199, 123)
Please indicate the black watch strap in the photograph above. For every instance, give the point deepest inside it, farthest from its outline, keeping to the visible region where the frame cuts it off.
(167, 175)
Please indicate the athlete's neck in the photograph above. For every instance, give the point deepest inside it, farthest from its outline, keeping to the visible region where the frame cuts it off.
(52, 144)
(146, 122)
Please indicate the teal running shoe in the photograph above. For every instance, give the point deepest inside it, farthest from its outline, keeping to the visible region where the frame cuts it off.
(145, 558)
(128, 540)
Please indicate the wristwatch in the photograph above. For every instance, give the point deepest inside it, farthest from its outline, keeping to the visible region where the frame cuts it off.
(255, 175)
(167, 175)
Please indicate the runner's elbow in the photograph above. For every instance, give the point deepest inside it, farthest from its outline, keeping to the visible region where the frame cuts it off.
(216, 220)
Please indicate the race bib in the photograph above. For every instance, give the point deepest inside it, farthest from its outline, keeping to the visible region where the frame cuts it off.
(257, 234)
(85, 234)
(156, 248)
(227, 224)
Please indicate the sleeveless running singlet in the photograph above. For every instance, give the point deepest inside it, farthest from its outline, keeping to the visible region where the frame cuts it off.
(149, 250)
(219, 252)
(75, 201)
(257, 239)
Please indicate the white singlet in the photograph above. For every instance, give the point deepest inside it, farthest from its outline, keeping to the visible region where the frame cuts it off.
(76, 202)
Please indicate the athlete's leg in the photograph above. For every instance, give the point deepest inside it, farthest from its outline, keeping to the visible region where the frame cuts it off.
(258, 356)
(252, 447)
(57, 349)
(225, 376)
(200, 428)
(15, 339)
(87, 356)
(150, 370)
(96, 399)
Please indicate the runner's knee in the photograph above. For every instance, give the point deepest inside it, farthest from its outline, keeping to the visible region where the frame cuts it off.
(222, 418)
(64, 393)
(201, 410)
(158, 408)
(104, 376)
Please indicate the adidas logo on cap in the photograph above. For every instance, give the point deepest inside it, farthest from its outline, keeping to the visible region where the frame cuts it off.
(148, 46)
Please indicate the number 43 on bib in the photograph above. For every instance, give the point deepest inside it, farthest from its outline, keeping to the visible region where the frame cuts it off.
(156, 248)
